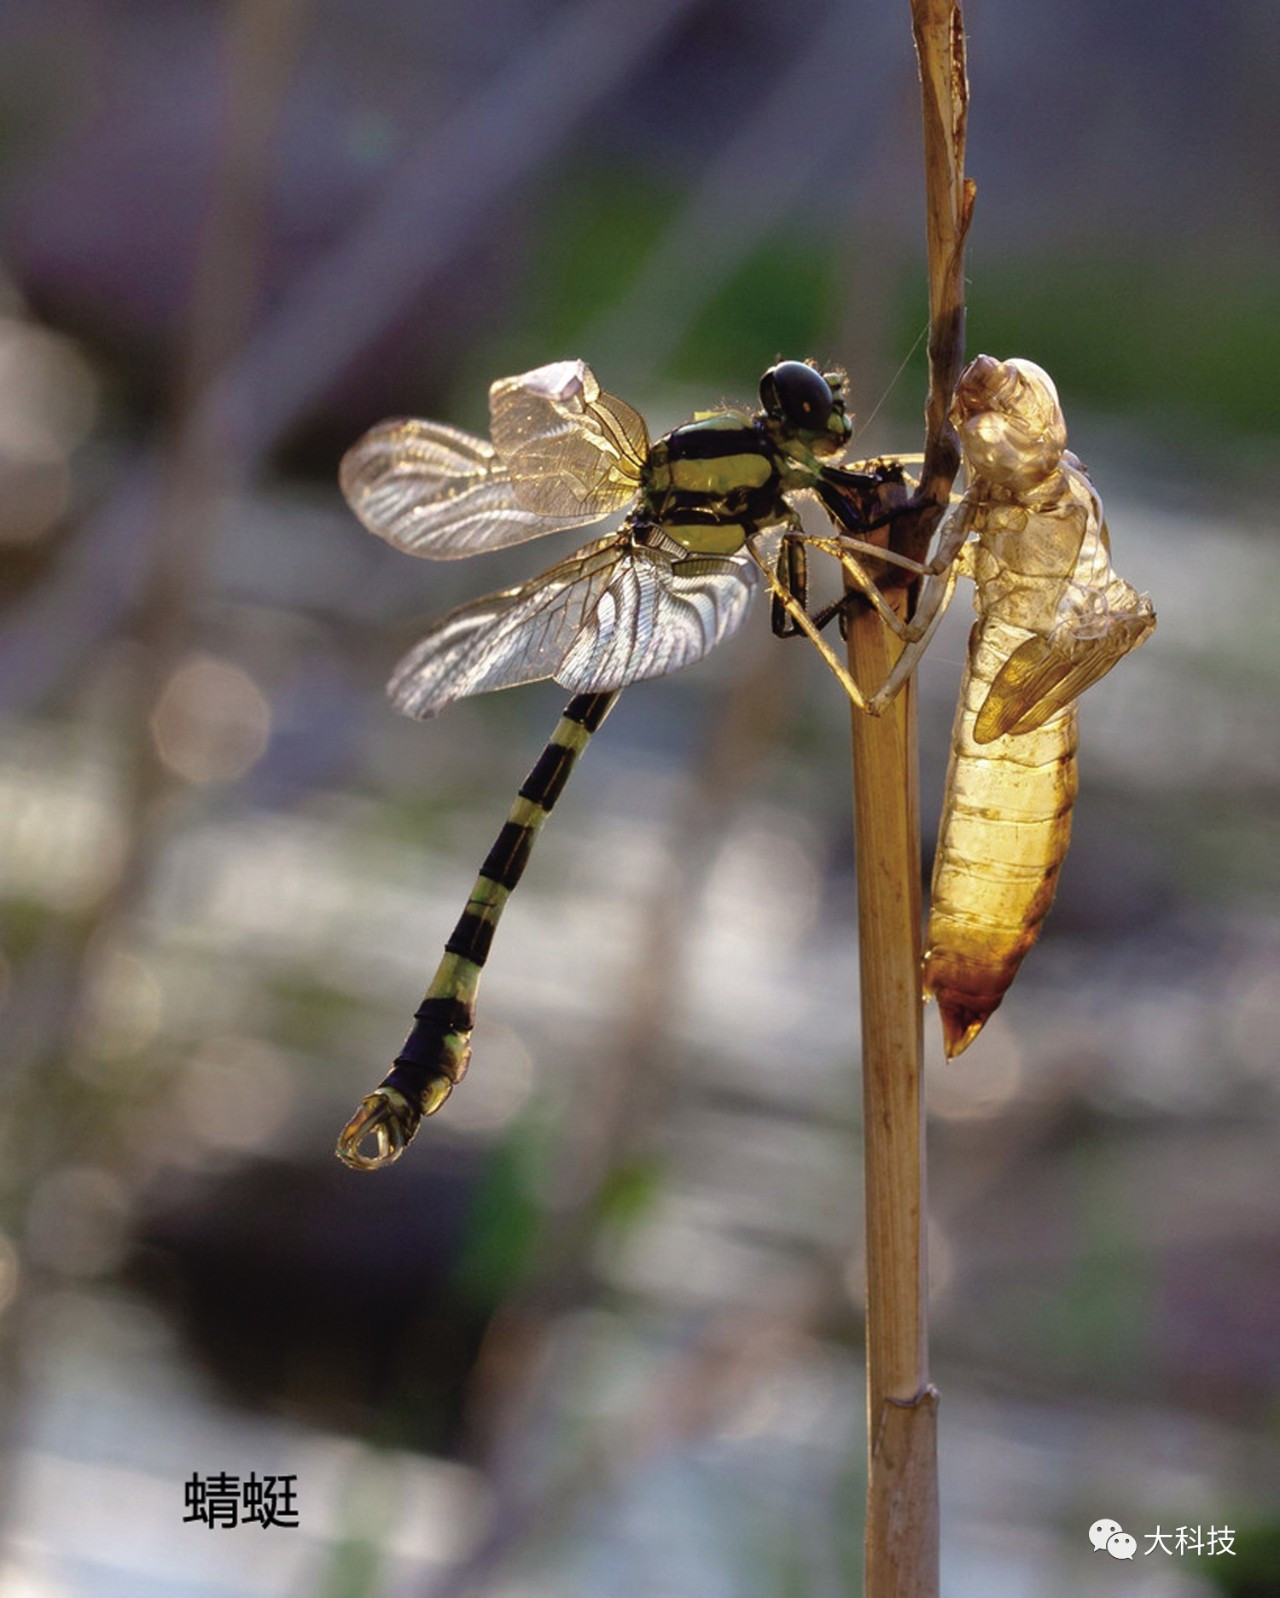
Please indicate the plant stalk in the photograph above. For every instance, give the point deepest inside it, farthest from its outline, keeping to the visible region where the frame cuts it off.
(902, 1542)
(902, 1482)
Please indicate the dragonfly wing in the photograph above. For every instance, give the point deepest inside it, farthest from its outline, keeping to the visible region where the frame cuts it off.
(434, 490)
(571, 448)
(519, 635)
(656, 615)
(1044, 675)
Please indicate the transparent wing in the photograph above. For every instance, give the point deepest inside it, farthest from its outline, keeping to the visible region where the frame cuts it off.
(518, 635)
(1045, 675)
(571, 448)
(656, 615)
(436, 491)
(614, 612)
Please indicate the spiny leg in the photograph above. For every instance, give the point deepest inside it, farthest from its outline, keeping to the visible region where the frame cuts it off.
(793, 575)
(846, 551)
(786, 604)
(792, 572)
(935, 596)
(790, 614)
(950, 562)
(859, 500)
(844, 496)
(940, 576)
(435, 1054)
(789, 585)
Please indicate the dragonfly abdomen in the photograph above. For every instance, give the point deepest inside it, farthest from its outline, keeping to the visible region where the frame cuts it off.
(436, 1053)
(1005, 828)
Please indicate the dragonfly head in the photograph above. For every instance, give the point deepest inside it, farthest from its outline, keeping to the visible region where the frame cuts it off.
(807, 406)
(1009, 420)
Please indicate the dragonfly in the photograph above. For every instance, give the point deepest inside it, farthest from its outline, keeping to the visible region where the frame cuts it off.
(706, 503)
(1053, 617)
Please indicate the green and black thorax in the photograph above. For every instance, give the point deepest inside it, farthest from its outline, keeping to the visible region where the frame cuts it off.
(713, 483)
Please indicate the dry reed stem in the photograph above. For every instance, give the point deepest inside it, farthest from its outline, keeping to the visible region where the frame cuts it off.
(902, 1491)
(902, 1548)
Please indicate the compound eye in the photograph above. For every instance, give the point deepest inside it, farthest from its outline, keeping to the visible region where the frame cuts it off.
(794, 393)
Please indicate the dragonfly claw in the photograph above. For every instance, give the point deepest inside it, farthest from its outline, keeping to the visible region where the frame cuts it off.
(386, 1117)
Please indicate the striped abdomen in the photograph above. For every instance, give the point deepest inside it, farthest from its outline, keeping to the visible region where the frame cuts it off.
(1005, 826)
(435, 1054)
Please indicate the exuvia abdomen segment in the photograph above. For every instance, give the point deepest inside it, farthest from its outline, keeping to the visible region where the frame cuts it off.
(1005, 828)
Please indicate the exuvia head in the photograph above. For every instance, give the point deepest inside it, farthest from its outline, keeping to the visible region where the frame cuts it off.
(807, 405)
(1009, 421)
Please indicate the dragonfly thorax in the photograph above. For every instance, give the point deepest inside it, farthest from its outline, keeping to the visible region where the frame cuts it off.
(714, 482)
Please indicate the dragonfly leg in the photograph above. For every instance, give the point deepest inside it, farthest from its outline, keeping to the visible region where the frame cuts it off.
(949, 563)
(846, 550)
(935, 596)
(790, 593)
(786, 603)
(792, 571)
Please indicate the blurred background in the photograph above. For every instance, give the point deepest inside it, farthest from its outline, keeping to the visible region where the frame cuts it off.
(601, 1332)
